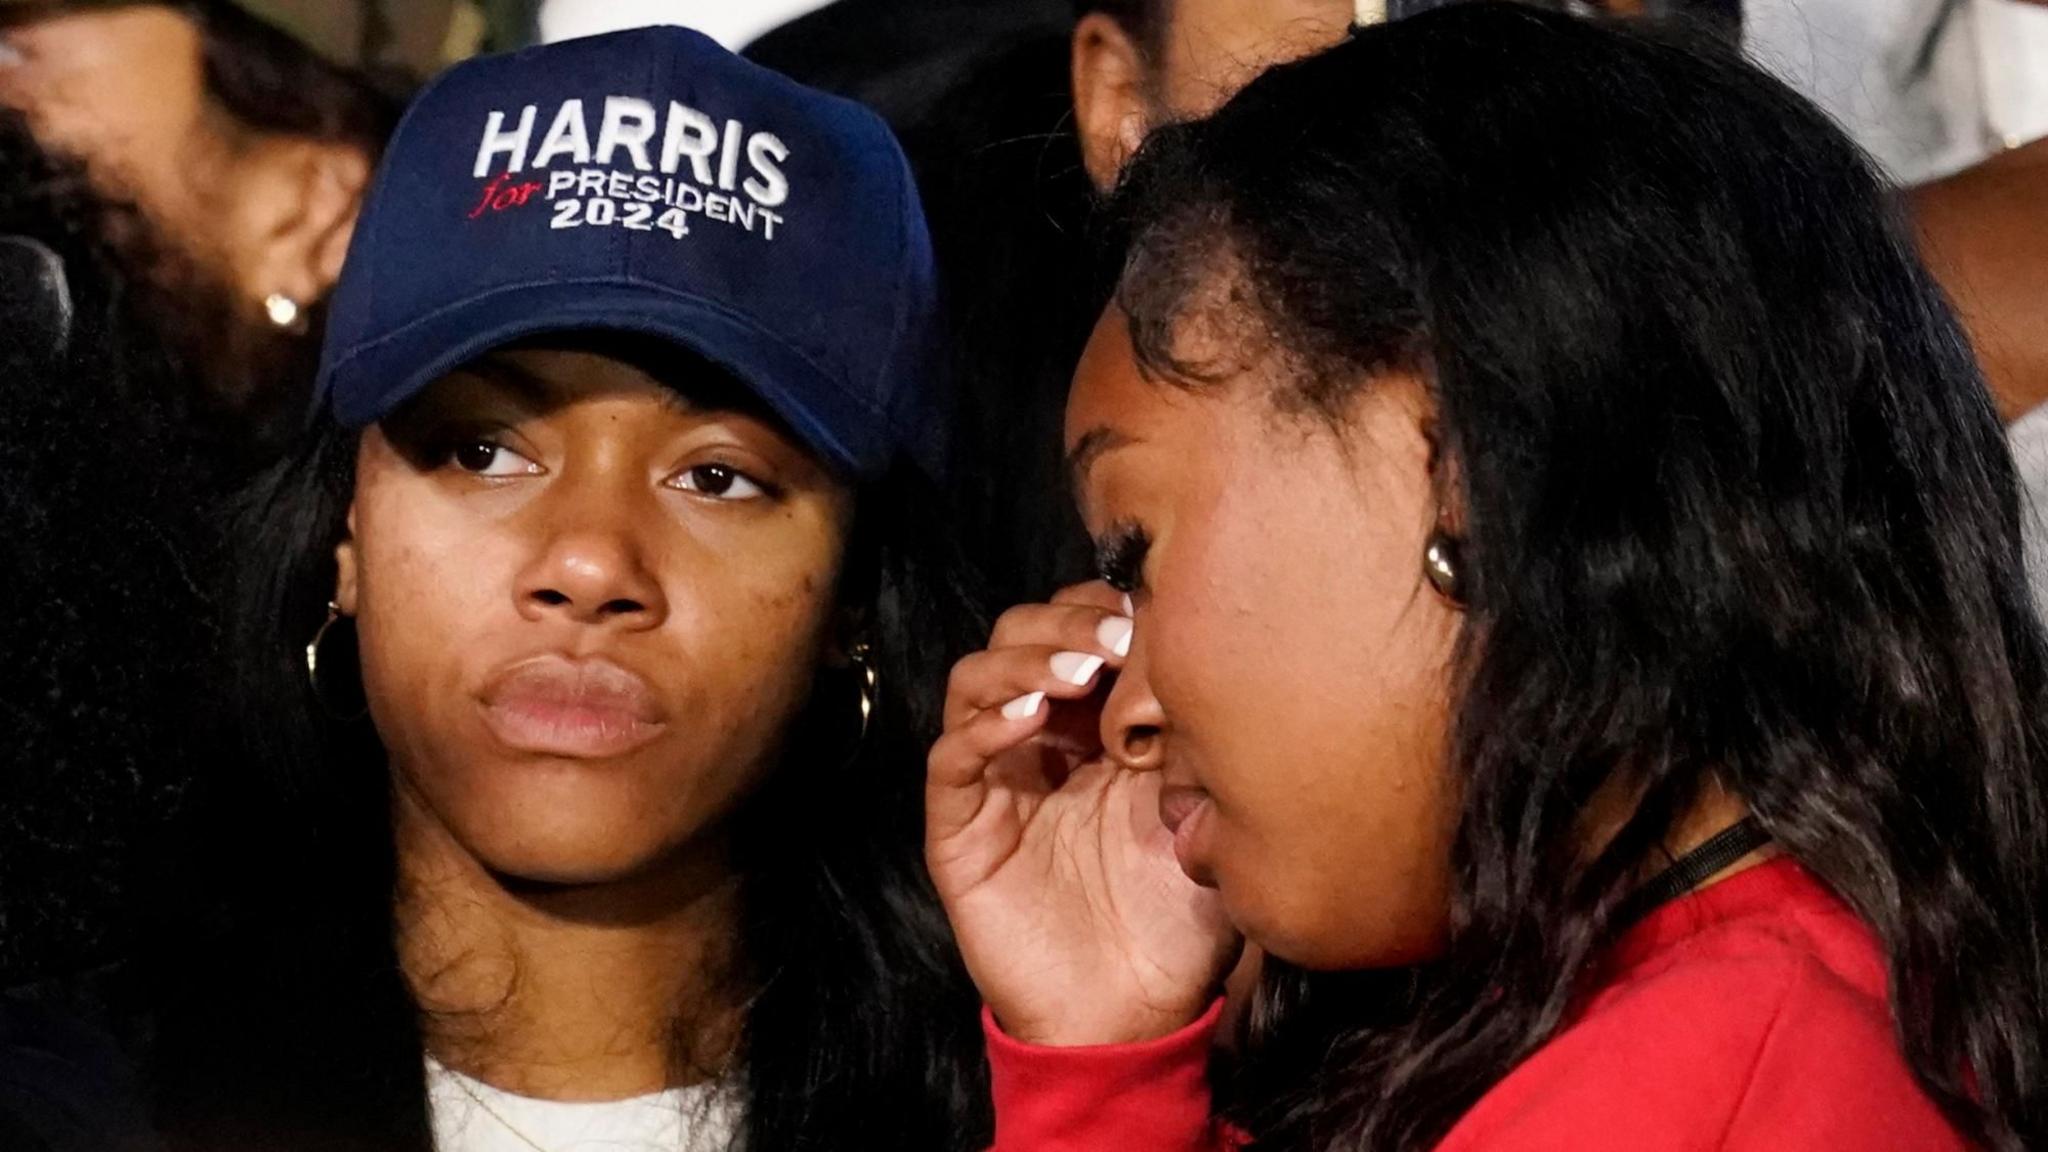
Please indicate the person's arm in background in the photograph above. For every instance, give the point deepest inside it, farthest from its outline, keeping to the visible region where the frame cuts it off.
(1984, 232)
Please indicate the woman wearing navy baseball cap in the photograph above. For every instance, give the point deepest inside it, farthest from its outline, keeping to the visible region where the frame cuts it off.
(584, 803)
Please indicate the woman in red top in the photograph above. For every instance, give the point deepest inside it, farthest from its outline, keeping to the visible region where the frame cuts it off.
(1571, 621)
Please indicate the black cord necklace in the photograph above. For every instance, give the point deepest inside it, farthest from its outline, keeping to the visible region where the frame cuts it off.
(1692, 870)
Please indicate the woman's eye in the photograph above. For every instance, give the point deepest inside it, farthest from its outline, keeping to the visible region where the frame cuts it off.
(486, 458)
(720, 482)
(1120, 557)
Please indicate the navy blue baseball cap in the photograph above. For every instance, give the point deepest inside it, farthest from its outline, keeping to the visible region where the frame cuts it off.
(649, 182)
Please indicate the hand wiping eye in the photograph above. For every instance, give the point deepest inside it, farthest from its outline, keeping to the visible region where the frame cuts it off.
(1122, 945)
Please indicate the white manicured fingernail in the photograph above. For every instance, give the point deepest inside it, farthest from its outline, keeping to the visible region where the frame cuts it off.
(1024, 707)
(1076, 668)
(1115, 635)
(1130, 609)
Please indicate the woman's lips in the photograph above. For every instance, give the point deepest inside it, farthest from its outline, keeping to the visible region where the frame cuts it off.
(1186, 811)
(575, 709)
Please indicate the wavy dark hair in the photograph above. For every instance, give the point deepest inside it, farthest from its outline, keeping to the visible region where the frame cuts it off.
(1739, 509)
(285, 1020)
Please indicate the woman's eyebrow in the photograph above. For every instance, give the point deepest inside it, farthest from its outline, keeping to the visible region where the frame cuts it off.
(528, 387)
(1098, 442)
(679, 402)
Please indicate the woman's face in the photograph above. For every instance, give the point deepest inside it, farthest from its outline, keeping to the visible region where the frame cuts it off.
(588, 606)
(1289, 673)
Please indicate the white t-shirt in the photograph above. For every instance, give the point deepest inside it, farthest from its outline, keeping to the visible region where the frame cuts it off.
(1984, 87)
(471, 1116)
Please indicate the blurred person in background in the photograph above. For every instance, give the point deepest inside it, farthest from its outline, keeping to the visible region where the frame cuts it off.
(1928, 87)
(1952, 96)
(1138, 64)
(243, 134)
(1141, 63)
(1984, 230)
(1985, 233)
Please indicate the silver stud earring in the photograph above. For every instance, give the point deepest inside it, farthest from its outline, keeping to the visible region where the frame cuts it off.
(1443, 564)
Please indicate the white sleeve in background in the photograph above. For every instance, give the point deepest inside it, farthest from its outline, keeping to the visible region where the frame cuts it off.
(2013, 41)
(1854, 57)
(733, 23)
(1985, 87)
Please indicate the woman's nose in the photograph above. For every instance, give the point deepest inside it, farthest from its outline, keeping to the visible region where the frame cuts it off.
(1133, 723)
(592, 567)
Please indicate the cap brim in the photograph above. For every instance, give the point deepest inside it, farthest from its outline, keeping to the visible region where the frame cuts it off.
(380, 378)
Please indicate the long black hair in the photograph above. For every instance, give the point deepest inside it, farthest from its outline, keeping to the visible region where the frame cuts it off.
(105, 540)
(285, 1019)
(1739, 511)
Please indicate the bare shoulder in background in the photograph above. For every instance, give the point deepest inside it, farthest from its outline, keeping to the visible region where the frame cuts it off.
(1985, 234)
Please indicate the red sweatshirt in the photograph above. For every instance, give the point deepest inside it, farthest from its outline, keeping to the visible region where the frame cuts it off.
(1748, 1017)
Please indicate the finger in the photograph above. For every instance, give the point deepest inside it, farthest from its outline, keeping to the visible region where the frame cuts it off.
(1069, 627)
(956, 772)
(1001, 678)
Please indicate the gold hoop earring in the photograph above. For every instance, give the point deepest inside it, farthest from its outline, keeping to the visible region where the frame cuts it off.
(870, 684)
(313, 646)
(1443, 562)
